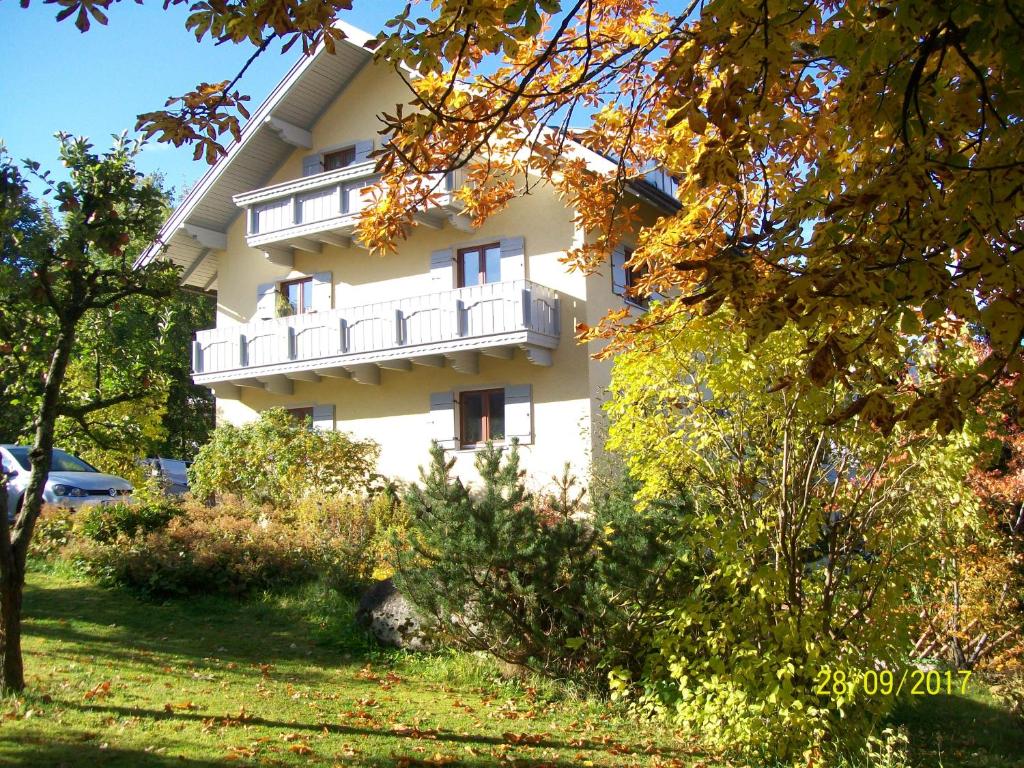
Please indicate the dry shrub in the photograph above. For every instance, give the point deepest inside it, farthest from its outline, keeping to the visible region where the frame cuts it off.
(235, 548)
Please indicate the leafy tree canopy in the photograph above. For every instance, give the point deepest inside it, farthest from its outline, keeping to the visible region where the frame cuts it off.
(833, 157)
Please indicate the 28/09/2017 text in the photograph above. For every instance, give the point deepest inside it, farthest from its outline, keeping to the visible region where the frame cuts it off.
(886, 682)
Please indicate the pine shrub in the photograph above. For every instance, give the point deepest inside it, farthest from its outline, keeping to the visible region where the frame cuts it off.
(537, 582)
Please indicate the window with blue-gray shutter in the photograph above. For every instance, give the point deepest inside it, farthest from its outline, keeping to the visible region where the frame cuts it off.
(312, 164)
(519, 413)
(619, 270)
(363, 150)
(323, 417)
(442, 269)
(323, 292)
(513, 258)
(444, 419)
(266, 301)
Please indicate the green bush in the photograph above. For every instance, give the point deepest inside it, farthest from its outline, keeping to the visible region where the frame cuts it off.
(278, 460)
(104, 524)
(536, 582)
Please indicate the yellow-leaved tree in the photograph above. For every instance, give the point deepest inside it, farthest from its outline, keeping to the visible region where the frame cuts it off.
(807, 539)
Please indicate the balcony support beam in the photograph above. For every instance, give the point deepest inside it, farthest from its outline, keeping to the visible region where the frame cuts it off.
(305, 244)
(396, 365)
(461, 222)
(329, 238)
(249, 383)
(427, 221)
(289, 133)
(502, 353)
(283, 257)
(224, 389)
(365, 374)
(431, 361)
(279, 385)
(310, 376)
(538, 356)
(334, 373)
(465, 361)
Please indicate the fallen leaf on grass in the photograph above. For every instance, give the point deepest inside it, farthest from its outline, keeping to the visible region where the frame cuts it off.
(414, 732)
(523, 738)
(301, 749)
(101, 690)
(184, 706)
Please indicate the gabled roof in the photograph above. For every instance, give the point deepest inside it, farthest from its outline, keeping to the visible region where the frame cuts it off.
(198, 227)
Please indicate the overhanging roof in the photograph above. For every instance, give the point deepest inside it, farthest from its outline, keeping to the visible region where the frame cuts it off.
(196, 230)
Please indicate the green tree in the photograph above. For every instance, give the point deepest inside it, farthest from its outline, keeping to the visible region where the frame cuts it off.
(807, 534)
(56, 278)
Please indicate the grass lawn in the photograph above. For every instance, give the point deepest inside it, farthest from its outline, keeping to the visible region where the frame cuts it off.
(287, 680)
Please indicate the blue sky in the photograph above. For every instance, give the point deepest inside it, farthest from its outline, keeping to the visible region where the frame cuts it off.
(94, 84)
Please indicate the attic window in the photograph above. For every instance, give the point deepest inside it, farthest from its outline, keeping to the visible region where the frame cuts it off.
(342, 158)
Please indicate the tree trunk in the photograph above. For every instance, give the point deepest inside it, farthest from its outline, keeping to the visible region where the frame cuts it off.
(14, 542)
(11, 664)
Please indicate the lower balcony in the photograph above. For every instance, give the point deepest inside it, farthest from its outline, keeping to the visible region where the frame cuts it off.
(453, 327)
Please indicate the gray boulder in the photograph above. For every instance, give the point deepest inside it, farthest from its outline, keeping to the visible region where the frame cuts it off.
(392, 619)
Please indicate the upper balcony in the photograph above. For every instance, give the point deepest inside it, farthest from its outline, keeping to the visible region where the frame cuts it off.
(356, 342)
(323, 208)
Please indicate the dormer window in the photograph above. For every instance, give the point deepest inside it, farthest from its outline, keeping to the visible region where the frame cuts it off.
(341, 158)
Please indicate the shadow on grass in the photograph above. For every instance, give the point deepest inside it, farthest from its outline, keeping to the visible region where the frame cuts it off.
(51, 752)
(204, 630)
(969, 731)
(60, 751)
(434, 736)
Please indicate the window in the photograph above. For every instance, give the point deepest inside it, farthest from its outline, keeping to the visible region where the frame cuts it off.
(297, 296)
(633, 276)
(60, 461)
(301, 415)
(482, 415)
(339, 159)
(479, 265)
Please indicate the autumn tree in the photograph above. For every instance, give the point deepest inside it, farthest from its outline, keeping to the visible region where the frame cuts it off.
(808, 534)
(972, 609)
(833, 157)
(55, 280)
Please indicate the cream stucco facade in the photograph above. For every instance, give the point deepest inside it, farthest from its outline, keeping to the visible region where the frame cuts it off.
(430, 339)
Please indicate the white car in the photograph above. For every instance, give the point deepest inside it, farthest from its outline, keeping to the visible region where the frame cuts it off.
(72, 483)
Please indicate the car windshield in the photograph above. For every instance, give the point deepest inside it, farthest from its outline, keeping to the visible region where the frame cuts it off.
(62, 461)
